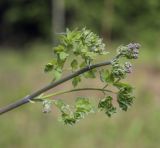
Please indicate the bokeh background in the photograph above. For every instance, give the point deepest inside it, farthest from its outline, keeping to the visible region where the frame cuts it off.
(27, 35)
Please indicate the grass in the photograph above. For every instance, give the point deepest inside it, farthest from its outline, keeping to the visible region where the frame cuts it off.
(22, 73)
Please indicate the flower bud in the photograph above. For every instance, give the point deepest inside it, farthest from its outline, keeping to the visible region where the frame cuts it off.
(128, 67)
(135, 56)
(46, 106)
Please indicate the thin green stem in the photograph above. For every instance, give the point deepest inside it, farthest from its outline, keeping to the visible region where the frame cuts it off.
(105, 86)
(73, 90)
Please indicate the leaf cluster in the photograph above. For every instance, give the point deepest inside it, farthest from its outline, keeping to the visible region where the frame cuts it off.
(71, 115)
(86, 46)
(83, 45)
(107, 106)
(124, 96)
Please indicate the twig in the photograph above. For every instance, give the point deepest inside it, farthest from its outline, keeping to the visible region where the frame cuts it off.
(31, 97)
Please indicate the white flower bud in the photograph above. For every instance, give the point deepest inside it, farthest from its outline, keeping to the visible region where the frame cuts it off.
(128, 67)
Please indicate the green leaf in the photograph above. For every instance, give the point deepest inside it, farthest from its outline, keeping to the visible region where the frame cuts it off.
(125, 98)
(106, 76)
(76, 80)
(48, 67)
(57, 73)
(105, 53)
(90, 74)
(63, 55)
(83, 64)
(91, 55)
(59, 48)
(123, 85)
(54, 61)
(107, 106)
(67, 115)
(68, 119)
(59, 103)
(83, 105)
(74, 64)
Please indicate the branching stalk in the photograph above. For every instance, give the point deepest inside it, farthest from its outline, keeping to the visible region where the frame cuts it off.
(31, 97)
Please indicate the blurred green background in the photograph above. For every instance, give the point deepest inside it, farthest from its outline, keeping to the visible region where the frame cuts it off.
(27, 35)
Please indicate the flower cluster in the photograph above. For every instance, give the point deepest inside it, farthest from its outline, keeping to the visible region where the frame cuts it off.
(133, 50)
(129, 51)
(92, 41)
(82, 44)
(118, 70)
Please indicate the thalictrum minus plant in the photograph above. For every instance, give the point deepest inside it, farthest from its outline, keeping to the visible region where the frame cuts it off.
(80, 48)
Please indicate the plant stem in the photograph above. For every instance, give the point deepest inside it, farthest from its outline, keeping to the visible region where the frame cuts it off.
(30, 97)
(73, 90)
(105, 86)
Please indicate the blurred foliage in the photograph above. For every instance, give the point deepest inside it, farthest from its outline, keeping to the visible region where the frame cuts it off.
(129, 18)
(25, 20)
(116, 20)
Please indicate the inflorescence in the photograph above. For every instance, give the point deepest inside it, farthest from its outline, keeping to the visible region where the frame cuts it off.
(130, 51)
(85, 46)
